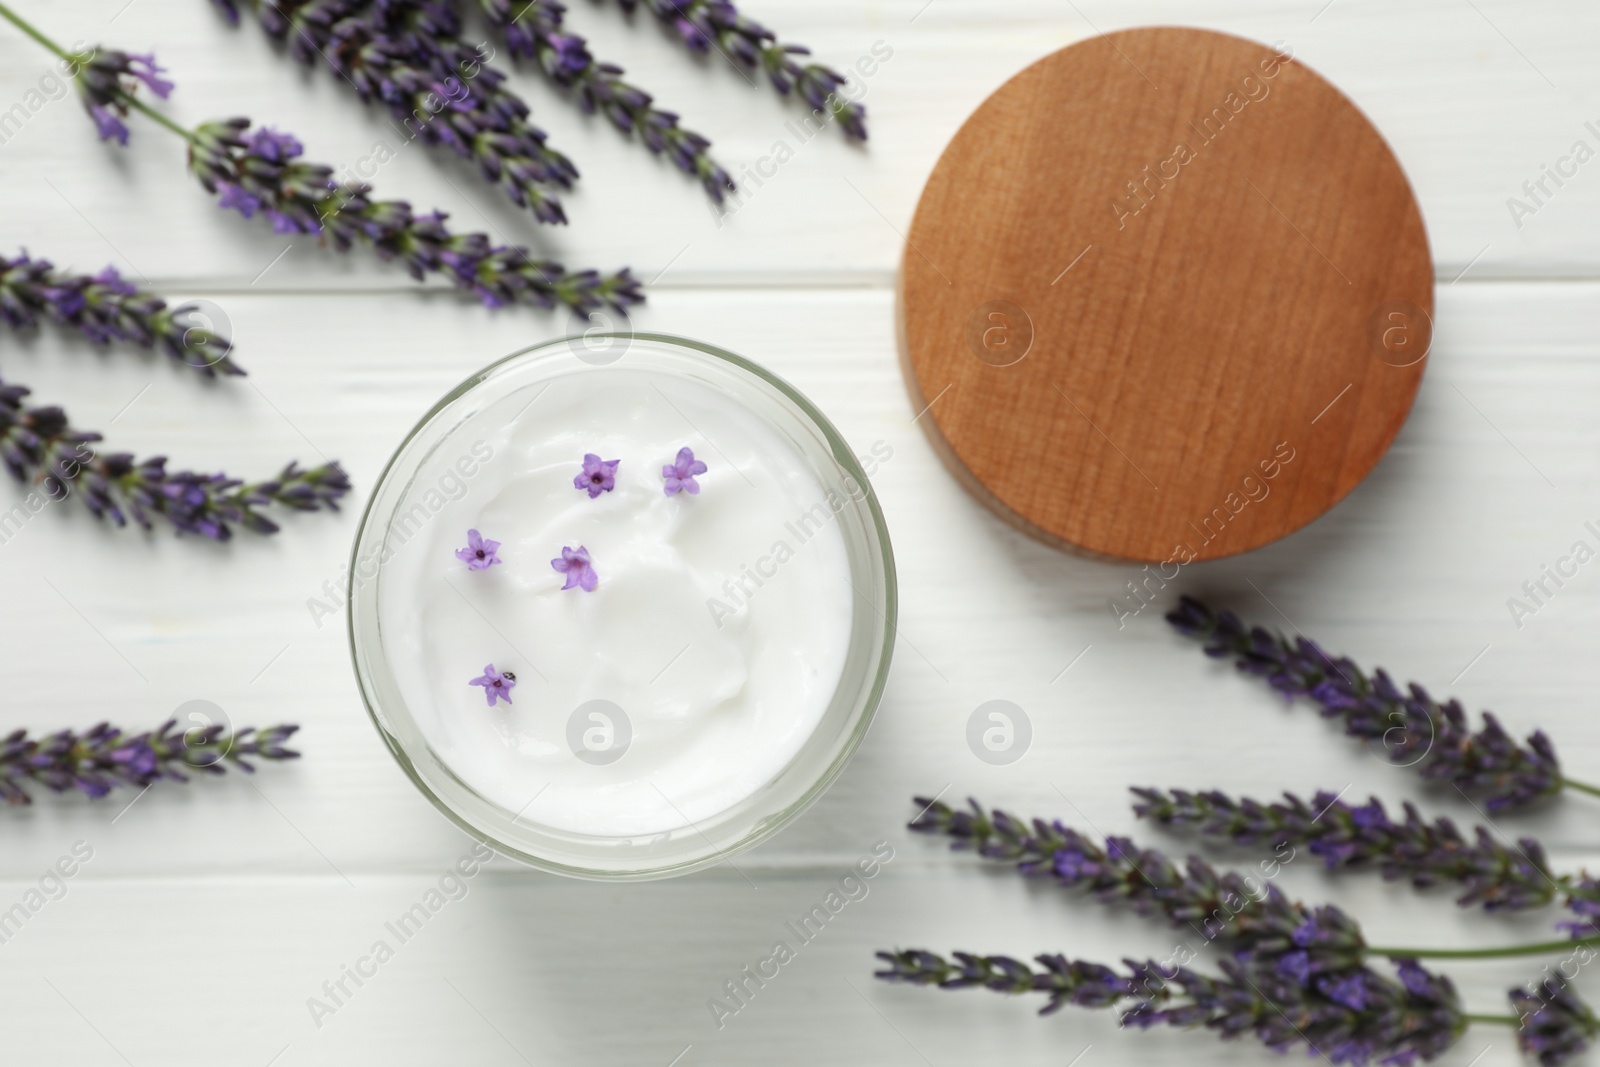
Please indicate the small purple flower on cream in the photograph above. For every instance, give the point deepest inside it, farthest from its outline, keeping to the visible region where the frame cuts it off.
(680, 473)
(479, 555)
(575, 564)
(497, 685)
(599, 475)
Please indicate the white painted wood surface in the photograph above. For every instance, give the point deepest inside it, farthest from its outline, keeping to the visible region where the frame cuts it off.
(210, 914)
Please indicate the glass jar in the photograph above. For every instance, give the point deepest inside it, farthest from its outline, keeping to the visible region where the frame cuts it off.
(401, 505)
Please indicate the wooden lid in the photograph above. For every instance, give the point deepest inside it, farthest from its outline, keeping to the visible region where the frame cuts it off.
(1167, 296)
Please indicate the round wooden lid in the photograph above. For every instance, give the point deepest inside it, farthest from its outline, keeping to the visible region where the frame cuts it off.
(1167, 297)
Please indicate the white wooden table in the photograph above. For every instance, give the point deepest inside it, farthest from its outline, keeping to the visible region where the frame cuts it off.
(210, 914)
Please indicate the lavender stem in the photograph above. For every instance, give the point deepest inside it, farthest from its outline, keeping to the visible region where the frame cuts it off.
(126, 98)
(1536, 948)
(151, 113)
(26, 27)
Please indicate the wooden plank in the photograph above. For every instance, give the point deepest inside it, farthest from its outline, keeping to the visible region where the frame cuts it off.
(234, 900)
(529, 968)
(1473, 101)
(1413, 571)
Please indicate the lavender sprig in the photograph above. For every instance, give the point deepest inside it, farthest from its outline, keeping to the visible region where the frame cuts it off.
(39, 445)
(104, 307)
(702, 24)
(1414, 728)
(1252, 917)
(107, 81)
(260, 174)
(409, 56)
(102, 758)
(261, 171)
(1496, 876)
(533, 29)
(1256, 920)
(1353, 1018)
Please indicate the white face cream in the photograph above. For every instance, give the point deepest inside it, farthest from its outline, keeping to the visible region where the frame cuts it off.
(705, 656)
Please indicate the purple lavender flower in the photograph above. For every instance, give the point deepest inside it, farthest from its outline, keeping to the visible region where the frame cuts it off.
(1350, 990)
(1256, 921)
(1495, 875)
(1583, 900)
(261, 171)
(1295, 965)
(105, 308)
(107, 81)
(1554, 1024)
(1499, 877)
(409, 56)
(575, 564)
(1414, 728)
(679, 474)
(97, 761)
(39, 445)
(1354, 1018)
(479, 555)
(533, 30)
(145, 69)
(598, 476)
(497, 685)
(704, 24)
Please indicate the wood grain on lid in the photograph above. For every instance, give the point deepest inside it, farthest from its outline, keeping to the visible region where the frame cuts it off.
(1167, 296)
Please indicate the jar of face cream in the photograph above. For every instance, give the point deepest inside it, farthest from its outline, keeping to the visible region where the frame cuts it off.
(622, 606)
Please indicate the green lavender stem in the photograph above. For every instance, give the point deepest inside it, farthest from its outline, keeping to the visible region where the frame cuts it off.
(1536, 948)
(133, 102)
(26, 27)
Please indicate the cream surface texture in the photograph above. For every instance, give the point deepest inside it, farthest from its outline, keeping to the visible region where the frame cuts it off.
(699, 665)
